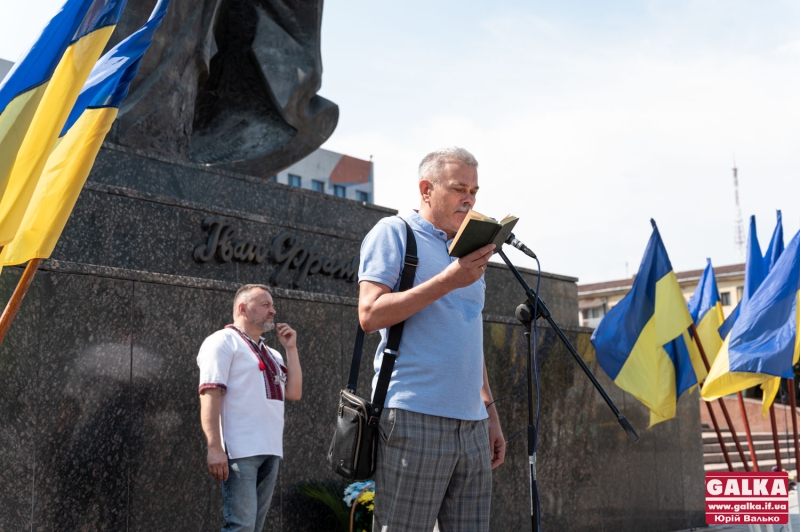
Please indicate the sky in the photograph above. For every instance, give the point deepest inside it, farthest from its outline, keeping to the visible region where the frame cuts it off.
(587, 118)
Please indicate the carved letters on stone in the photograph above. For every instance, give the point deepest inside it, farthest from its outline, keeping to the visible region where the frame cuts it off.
(286, 251)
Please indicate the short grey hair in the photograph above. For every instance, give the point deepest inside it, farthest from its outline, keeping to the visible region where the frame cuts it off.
(431, 166)
(243, 293)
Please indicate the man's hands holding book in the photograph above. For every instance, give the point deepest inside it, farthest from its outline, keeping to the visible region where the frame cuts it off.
(468, 268)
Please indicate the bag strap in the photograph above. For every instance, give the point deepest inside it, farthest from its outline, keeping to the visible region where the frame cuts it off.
(391, 350)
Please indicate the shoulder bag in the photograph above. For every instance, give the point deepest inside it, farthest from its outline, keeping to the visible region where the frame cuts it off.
(353, 451)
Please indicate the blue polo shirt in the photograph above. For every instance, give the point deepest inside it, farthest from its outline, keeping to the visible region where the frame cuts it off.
(439, 370)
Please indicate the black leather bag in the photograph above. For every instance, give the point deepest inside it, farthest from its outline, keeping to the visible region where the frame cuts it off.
(353, 451)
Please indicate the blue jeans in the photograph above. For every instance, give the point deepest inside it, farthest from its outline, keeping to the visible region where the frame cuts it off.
(247, 492)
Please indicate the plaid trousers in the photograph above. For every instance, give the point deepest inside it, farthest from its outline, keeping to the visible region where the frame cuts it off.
(432, 467)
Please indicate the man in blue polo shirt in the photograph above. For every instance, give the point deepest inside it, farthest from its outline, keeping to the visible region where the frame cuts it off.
(439, 441)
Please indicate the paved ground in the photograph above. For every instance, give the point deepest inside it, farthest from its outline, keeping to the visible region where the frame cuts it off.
(794, 514)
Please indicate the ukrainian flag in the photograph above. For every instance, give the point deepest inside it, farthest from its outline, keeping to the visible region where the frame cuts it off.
(763, 343)
(38, 95)
(775, 245)
(23, 87)
(756, 269)
(771, 387)
(641, 343)
(72, 159)
(754, 274)
(705, 307)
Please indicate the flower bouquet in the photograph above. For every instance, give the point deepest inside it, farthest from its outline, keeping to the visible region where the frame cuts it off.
(360, 497)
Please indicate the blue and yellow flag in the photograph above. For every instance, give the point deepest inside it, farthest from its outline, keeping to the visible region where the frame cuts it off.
(39, 94)
(756, 269)
(770, 388)
(641, 343)
(77, 146)
(754, 274)
(705, 307)
(775, 245)
(763, 343)
(23, 87)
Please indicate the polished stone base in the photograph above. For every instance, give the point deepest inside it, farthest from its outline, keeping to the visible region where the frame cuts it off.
(99, 418)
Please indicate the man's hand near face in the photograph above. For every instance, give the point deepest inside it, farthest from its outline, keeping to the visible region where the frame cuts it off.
(294, 378)
(286, 335)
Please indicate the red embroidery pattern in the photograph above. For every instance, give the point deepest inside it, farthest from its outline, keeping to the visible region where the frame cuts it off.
(273, 372)
(209, 385)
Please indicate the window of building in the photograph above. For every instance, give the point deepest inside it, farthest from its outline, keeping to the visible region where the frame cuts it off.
(591, 317)
(273, 179)
(596, 312)
(725, 297)
(317, 186)
(339, 190)
(295, 180)
(739, 293)
(362, 196)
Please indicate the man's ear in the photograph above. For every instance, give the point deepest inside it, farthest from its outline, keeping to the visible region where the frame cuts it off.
(425, 188)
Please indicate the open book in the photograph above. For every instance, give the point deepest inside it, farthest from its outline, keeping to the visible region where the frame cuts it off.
(478, 230)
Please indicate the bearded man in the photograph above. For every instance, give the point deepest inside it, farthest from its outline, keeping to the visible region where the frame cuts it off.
(243, 384)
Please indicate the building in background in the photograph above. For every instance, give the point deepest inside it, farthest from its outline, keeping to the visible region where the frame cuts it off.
(5, 66)
(595, 299)
(331, 173)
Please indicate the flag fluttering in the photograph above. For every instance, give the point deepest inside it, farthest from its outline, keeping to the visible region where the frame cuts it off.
(24, 86)
(38, 94)
(775, 245)
(70, 162)
(763, 343)
(641, 342)
(754, 274)
(770, 388)
(705, 307)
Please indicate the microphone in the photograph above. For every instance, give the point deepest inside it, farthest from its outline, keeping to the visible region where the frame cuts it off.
(512, 241)
(524, 313)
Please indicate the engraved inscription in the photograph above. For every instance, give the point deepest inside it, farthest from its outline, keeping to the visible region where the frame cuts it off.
(286, 251)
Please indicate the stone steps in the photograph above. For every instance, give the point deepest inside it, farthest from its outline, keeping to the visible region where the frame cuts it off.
(763, 465)
(714, 459)
(762, 455)
(759, 445)
(711, 437)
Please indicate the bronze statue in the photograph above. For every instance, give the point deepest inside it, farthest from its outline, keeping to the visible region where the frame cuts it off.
(228, 83)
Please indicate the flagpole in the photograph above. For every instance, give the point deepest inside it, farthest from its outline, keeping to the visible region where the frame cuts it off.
(16, 298)
(721, 402)
(747, 431)
(793, 404)
(775, 436)
(733, 434)
(719, 436)
(788, 452)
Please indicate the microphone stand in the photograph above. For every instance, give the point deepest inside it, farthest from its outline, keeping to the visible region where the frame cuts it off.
(525, 313)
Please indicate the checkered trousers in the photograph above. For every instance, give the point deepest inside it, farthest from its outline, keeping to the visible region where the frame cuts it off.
(432, 467)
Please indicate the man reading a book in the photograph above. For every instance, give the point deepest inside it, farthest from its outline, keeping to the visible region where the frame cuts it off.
(440, 435)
